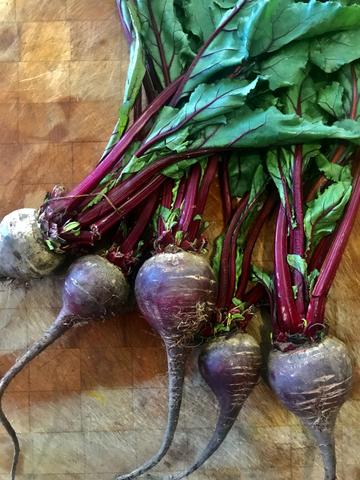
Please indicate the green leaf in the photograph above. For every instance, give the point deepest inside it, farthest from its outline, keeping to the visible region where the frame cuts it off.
(208, 103)
(230, 47)
(243, 36)
(333, 171)
(241, 168)
(216, 259)
(331, 52)
(239, 304)
(259, 183)
(71, 226)
(178, 142)
(179, 237)
(135, 75)
(304, 96)
(290, 20)
(265, 26)
(178, 170)
(323, 213)
(107, 179)
(309, 152)
(295, 291)
(136, 70)
(245, 128)
(204, 226)
(298, 263)
(135, 164)
(286, 67)
(221, 328)
(282, 179)
(260, 276)
(50, 244)
(238, 266)
(349, 77)
(312, 277)
(201, 17)
(331, 99)
(100, 196)
(251, 29)
(164, 38)
(251, 129)
(170, 217)
(234, 316)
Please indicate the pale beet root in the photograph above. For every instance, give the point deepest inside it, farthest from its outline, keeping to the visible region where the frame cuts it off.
(231, 367)
(94, 290)
(23, 251)
(176, 292)
(313, 381)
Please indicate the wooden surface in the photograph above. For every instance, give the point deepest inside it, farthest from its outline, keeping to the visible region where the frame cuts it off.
(94, 404)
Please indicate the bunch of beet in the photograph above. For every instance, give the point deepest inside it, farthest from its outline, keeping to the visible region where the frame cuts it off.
(276, 141)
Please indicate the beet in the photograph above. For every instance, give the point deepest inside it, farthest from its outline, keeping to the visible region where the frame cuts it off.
(231, 367)
(94, 290)
(313, 381)
(176, 292)
(23, 251)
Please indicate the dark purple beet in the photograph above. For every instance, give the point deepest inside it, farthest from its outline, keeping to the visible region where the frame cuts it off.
(231, 367)
(313, 381)
(176, 292)
(94, 289)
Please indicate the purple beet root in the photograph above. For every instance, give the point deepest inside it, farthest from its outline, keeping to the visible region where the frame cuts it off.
(231, 367)
(176, 292)
(94, 290)
(313, 382)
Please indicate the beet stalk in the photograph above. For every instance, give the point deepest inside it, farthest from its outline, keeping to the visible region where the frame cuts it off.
(310, 372)
(94, 289)
(176, 292)
(230, 364)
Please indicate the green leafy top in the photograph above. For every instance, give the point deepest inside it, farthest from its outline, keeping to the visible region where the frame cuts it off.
(323, 213)
(254, 28)
(164, 39)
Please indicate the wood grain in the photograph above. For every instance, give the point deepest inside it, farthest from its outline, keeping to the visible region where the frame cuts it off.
(94, 404)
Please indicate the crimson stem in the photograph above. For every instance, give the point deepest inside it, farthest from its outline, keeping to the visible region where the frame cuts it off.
(225, 191)
(103, 225)
(166, 200)
(288, 315)
(298, 233)
(130, 194)
(320, 252)
(227, 275)
(190, 199)
(128, 187)
(141, 224)
(250, 244)
(203, 194)
(233, 235)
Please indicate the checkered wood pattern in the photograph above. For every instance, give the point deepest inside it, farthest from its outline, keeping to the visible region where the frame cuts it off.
(94, 403)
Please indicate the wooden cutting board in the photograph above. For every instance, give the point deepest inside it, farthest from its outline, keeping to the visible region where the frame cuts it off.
(94, 404)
